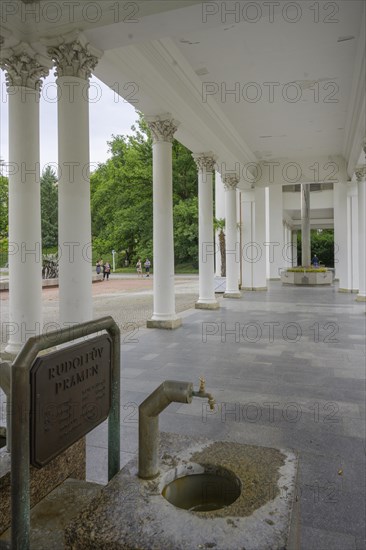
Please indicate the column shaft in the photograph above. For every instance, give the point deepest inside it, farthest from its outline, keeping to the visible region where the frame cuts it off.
(340, 235)
(75, 274)
(164, 315)
(305, 225)
(259, 260)
(294, 248)
(232, 238)
(25, 240)
(206, 298)
(275, 244)
(74, 59)
(352, 238)
(361, 185)
(164, 300)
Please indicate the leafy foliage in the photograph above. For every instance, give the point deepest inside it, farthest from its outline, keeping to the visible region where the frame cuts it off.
(185, 214)
(322, 244)
(4, 212)
(49, 208)
(122, 199)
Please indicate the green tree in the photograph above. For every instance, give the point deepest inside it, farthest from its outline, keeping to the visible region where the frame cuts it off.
(49, 208)
(185, 215)
(4, 208)
(122, 199)
(322, 244)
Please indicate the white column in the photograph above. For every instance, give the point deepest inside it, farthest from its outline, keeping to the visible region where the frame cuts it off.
(23, 75)
(219, 215)
(206, 249)
(352, 237)
(163, 129)
(361, 185)
(288, 252)
(305, 225)
(340, 235)
(294, 248)
(259, 262)
(232, 241)
(74, 62)
(247, 238)
(275, 243)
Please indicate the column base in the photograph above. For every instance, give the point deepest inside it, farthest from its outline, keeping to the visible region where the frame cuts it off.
(207, 305)
(169, 324)
(254, 288)
(232, 295)
(274, 279)
(360, 298)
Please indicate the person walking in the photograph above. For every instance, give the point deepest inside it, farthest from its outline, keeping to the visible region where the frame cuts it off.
(98, 267)
(139, 268)
(147, 265)
(106, 271)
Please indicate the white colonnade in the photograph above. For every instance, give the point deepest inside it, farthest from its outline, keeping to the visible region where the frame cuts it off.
(163, 129)
(361, 187)
(233, 251)
(24, 71)
(206, 300)
(74, 62)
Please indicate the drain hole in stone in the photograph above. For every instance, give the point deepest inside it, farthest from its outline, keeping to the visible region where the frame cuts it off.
(202, 492)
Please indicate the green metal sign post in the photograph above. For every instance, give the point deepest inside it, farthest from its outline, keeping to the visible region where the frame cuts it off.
(21, 413)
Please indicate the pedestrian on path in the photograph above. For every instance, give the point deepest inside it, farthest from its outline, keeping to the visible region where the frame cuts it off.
(147, 265)
(139, 268)
(106, 271)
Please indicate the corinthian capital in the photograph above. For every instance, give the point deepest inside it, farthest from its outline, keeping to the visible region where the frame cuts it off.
(230, 181)
(74, 58)
(205, 162)
(23, 67)
(162, 127)
(360, 173)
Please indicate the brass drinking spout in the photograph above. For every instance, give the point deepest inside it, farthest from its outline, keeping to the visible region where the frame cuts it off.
(202, 393)
(168, 392)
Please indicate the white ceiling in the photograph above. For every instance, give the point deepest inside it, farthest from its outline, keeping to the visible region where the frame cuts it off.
(170, 49)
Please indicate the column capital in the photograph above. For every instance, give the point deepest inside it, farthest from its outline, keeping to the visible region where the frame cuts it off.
(230, 181)
(73, 56)
(162, 127)
(23, 67)
(204, 161)
(360, 172)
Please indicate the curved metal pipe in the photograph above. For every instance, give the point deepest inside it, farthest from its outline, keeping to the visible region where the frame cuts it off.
(168, 392)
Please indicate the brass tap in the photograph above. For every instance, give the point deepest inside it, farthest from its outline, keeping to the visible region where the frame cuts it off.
(202, 393)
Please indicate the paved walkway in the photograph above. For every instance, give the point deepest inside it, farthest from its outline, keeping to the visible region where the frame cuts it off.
(124, 296)
(287, 369)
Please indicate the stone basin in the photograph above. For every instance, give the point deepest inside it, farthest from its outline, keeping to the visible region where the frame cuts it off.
(132, 513)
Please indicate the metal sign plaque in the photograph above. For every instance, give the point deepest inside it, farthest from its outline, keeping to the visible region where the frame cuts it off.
(70, 395)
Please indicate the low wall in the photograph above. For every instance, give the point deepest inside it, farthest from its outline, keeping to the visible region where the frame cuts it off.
(307, 278)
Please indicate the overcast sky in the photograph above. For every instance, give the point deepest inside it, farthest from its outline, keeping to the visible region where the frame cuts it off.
(109, 114)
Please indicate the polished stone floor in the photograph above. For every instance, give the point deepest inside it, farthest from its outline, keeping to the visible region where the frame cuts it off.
(287, 370)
